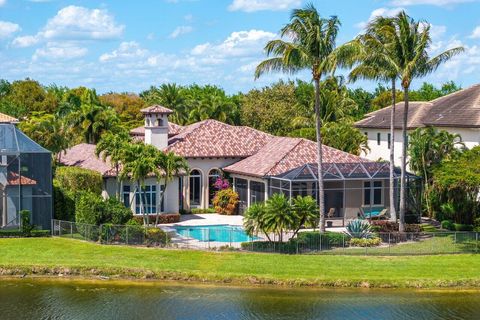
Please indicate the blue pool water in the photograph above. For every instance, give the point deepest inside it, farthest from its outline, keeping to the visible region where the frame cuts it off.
(218, 233)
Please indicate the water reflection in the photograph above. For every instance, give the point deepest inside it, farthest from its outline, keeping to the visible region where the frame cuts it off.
(29, 299)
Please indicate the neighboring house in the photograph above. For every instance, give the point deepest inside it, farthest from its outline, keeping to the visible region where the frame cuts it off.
(457, 113)
(25, 177)
(257, 163)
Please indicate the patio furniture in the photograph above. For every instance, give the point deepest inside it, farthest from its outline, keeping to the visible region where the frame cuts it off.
(382, 215)
(331, 213)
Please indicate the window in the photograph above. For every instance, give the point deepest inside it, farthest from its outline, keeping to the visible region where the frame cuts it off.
(213, 175)
(149, 199)
(372, 193)
(257, 192)
(379, 137)
(389, 138)
(159, 123)
(126, 196)
(195, 188)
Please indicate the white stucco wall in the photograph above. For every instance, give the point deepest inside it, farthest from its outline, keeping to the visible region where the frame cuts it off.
(471, 138)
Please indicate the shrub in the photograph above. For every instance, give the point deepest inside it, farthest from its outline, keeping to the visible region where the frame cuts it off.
(63, 203)
(365, 242)
(447, 225)
(359, 229)
(89, 209)
(462, 227)
(414, 228)
(385, 225)
(200, 211)
(115, 212)
(162, 218)
(335, 239)
(26, 226)
(225, 201)
(15, 233)
(156, 236)
(75, 179)
(267, 246)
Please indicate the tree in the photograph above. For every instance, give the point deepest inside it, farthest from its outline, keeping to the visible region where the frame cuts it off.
(126, 105)
(254, 221)
(49, 131)
(311, 46)
(140, 161)
(410, 41)
(279, 216)
(344, 136)
(170, 165)
(306, 213)
(112, 146)
(427, 148)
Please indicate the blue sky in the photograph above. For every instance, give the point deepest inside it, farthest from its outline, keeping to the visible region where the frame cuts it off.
(130, 45)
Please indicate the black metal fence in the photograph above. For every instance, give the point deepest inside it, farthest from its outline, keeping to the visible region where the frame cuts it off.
(234, 238)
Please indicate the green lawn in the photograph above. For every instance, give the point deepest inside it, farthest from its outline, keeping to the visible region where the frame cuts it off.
(57, 255)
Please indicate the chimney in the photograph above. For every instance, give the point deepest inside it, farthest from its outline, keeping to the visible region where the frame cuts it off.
(156, 126)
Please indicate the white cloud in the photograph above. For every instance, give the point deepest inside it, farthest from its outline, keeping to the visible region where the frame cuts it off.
(259, 5)
(180, 31)
(25, 41)
(2, 2)
(126, 50)
(475, 33)
(440, 3)
(8, 28)
(188, 17)
(75, 23)
(59, 51)
(380, 12)
(238, 44)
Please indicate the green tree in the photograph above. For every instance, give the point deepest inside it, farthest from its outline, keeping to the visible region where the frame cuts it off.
(427, 148)
(306, 213)
(279, 216)
(311, 46)
(112, 146)
(170, 166)
(254, 221)
(344, 136)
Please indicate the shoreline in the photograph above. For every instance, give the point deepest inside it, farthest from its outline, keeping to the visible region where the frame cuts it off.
(120, 276)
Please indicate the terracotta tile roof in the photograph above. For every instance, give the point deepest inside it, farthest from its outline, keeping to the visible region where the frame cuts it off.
(282, 154)
(156, 109)
(14, 179)
(5, 118)
(83, 155)
(211, 138)
(139, 132)
(458, 109)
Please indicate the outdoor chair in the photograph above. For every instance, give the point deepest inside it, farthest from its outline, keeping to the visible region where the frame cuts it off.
(331, 213)
(382, 215)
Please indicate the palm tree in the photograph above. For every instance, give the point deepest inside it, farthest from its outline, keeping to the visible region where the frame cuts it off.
(311, 46)
(113, 146)
(306, 211)
(254, 221)
(409, 41)
(139, 161)
(370, 52)
(278, 215)
(171, 165)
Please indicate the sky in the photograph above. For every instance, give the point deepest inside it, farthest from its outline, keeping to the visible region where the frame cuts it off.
(128, 46)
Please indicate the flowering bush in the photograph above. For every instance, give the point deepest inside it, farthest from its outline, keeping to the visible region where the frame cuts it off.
(221, 184)
(225, 201)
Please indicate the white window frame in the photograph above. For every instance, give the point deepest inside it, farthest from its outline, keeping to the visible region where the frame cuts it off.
(372, 197)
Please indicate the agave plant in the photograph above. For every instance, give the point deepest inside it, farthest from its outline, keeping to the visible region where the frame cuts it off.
(359, 229)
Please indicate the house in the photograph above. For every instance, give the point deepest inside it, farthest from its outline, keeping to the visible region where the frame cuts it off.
(257, 163)
(25, 177)
(457, 113)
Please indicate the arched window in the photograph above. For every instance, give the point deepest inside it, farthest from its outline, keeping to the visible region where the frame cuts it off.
(213, 175)
(195, 188)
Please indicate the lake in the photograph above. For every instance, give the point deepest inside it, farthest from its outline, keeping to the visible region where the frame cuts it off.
(50, 299)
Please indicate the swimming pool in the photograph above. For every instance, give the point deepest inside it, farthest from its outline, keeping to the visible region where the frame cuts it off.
(217, 233)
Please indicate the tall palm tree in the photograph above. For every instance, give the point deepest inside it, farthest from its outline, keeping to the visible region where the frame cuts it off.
(366, 52)
(171, 165)
(139, 161)
(308, 42)
(410, 41)
(113, 146)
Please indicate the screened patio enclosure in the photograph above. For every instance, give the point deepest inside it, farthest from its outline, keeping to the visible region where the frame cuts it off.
(25, 179)
(349, 188)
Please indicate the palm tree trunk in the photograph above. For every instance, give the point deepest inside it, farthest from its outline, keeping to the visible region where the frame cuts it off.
(142, 208)
(318, 128)
(118, 182)
(403, 187)
(161, 201)
(393, 212)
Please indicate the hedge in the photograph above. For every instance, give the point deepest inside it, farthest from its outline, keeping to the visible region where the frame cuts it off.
(8, 233)
(75, 179)
(162, 218)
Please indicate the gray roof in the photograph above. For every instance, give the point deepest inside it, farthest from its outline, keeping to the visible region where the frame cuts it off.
(458, 109)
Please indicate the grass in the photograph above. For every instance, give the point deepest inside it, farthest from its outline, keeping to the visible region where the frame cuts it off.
(53, 256)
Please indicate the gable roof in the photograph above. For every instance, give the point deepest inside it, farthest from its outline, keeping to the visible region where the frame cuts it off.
(5, 118)
(212, 138)
(282, 154)
(458, 109)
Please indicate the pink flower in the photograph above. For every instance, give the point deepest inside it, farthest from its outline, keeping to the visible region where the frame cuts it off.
(221, 184)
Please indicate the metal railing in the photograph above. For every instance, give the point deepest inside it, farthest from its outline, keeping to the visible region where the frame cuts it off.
(305, 242)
